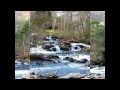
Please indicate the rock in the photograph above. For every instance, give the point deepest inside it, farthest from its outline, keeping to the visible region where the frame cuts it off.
(98, 74)
(35, 76)
(66, 58)
(54, 37)
(46, 46)
(64, 48)
(26, 76)
(94, 62)
(102, 77)
(92, 66)
(51, 76)
(96, 77)
(87, 42)
(48, 50)
(72, 76)
(91, 76)
(69, 59)
(67, 44)
(37, 57)
(50, 57)
(32, 73)
(23, 78)
(54, 49)
(81, 46)
(82, 61)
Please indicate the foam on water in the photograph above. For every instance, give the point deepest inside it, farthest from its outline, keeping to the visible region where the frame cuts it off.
(98, 70)
(60, 69)
(20, 73)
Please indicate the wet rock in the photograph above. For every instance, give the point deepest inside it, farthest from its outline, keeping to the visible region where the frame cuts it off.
(37, 57)
(103, 77)
(51, 76)
(82, 61)
(54, 37)
(97, 76)
(26, 76)
(92, 66)
(87, 42)
(66, 58)
(48, 50)
(67, 44)
(35, 76)
(86, 49)
(64, 47)
(94, 62)
(69, 59)
(72, 76)
(54, 49)
(23, 78)
(52, 57)
(32, 73)
(46, 46)
(81, 46)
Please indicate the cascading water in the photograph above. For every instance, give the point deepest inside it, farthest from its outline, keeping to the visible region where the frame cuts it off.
(62, 67)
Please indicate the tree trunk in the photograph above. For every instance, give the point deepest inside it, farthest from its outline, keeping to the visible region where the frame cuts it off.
(61, 22)
(23, 46)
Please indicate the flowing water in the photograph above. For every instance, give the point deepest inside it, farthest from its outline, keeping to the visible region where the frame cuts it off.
(60, 67)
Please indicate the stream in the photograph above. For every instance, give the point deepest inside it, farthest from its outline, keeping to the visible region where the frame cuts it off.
(60, 67)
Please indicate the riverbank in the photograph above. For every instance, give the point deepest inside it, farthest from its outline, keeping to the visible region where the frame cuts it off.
(32, 75)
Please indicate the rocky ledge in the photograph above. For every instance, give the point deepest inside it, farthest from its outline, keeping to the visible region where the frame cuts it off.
(32, 75)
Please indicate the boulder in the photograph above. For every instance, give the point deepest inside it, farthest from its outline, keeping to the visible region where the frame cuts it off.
(82, 61)
(46, 46)
(37, 57)
(54, 49)
(69, 59)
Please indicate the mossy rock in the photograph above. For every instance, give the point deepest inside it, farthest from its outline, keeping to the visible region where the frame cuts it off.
(36, 57)
(26, 59)
(86, 49)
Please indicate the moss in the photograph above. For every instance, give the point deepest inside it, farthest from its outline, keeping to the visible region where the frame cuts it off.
(86, 49)
(26, 59)
(40, 20)
(97, 41)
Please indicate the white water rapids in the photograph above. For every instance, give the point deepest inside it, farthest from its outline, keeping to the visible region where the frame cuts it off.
(60, 68)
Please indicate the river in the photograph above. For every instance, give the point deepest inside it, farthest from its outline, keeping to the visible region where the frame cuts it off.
(60, 67)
